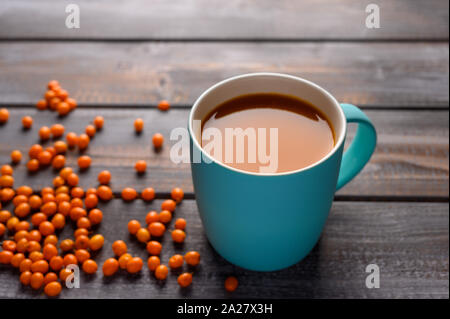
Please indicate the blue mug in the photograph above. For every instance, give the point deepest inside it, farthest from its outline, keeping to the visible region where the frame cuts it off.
(262, 221)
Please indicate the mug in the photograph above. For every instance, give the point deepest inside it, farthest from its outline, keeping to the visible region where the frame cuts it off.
(267, 222)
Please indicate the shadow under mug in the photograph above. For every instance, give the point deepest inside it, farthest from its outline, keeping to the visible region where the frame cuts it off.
(267, 222)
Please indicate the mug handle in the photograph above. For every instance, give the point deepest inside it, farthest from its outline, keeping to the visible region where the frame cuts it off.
(362, 147)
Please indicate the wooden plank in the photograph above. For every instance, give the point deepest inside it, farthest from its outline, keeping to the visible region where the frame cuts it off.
(408, 241)
(120, 74)
(238, 19)
(411, 159)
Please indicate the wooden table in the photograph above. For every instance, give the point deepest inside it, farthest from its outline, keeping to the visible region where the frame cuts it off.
(128, 55)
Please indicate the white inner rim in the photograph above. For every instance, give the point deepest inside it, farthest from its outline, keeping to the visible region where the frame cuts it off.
(270, 82)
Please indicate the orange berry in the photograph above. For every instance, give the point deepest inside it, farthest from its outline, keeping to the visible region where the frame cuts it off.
(90, 130)
(104, 177)
(58, 162)
(129, 194)
(2, 229)
(177, 194)
(148, 194)
(123, 260)
(35, 150)
(180, 223)
(60, 147)
(54, 102)
(70, 259)
(134, 265)
(84, 162)
(72, 103)
(49, 208)
(65, 172)
(25, 277)
(178, 235)
(82, 255)
(176, 261)
(96, 242)
(49, 251)
(59, 221)
(72, 179)
(7, 194)
(77, 192)
(192, 258)
(16, 156)
(157, 140)
(110, 267)
(44, 133)
(35, 235)
(165, 216)
(53, 84)
(91, 201)
(6, 181)
(98, 122)
(36, 280)
(104, 192)
(24, 190)
(140, 166)
(61, 93)
(56, 263)
(57, 130)
(6, 170)
(185, 279)
(156, 229)
(4, 216)
(143, 235)
(71, 139)
(154, 247)
(163, 105)
(89, 266)
(34, 249)
(161, 272)
(22, 210)
(53, 289)
(25, 265)
(51, 239)
(95, 216)
(66, 245)
(151, 217)
(153, 262)
(64, 274)
(9, 245)
(50, 277)
(133, 226)
(231, 283)
(169, 205)
(63, 108)
(46, 228)
(4, 115)
(17, 259)
(83, 141)
(119, 248)
(58, 181)
(45, 158)
(27, 122)
(77, 213)
(41, 105)
(33, 165)
(139, 125)
(82, 242)
(5, 257)
(39, 266)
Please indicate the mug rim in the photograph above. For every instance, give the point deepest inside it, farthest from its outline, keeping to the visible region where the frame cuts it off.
(315, 86)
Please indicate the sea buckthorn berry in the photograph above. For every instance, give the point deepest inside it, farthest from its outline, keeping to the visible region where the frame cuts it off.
(123, 260)
(59, 221)
(35, 202)
(65, 172)
(231, 283)
(64, 273)
(39, 266)
(34, 249)
(153, 262)
(51, 239)
(180, 223)
(156, 229)
(25, 277)
(163, 105)
(98, 122)
(90, 191)
(72, 179)
(7, 170)
(151, 217)
(104, 177)
(35, 235)
(22, 245)
(77, 202)
(192, 258)
(140, 166)
(110, 267)
(27, 122)
(58, 181)
(4, 216)
(80, 231)
(61, 93)
(58, 162)
(91, 201)
(95, 216)
(96, 242)
(148, 194)
(47, 198)
(133, 226)
(5, 257)
(184, 280)
(56, 263)
(169, 205)
(49, 251)
(21, 234)
(90, 130)
(104, 193)
(60, 147)
(119, 248)
(77, 192)
(52, 289)
(178, 235)
(143, 235)
(49, 208)
(25, 265)
(44, 133)
(16, 156)
(24, 190)
(53, 85)
(161, 272)
(45, 158)
(17, 259)
(22, 210)
(83, 141)
(9, 245)
(57, 130)
(134, 265)
(41, 105)
(2, 229)
(22, 226)
(36, 280)
(51, 150)
(6, 181)
(66, 245)
(129, 194)
(7, 194)
(62, 195)
(50, 277)
(4, 115)
(72, 103)
(90, 267)
(154, 247)
(138, 125)
(158, 140)
(82, 255)
(176, 261)
(82, 242)
(84, 162)
(63, 108)
(177, 194)
(46, 228)
(54, 102)
(70, 259)
(165, 216)
(71, 139)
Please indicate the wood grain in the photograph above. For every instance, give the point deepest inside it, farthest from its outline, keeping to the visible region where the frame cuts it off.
(119, 74)
(237, 19)
(408, 241)
(411, 159)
